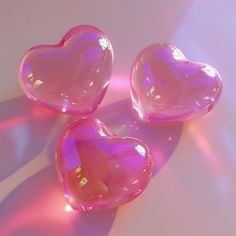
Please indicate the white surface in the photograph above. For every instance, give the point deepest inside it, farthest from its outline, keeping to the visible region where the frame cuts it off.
(195, 191)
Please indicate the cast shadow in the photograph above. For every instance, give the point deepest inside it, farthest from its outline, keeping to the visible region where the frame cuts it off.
(24, 128)
(161, 139)
(37, 206)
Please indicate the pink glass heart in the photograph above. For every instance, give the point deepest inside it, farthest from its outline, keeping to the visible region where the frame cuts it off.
(99, 170)
(167, 87)
(71, 76)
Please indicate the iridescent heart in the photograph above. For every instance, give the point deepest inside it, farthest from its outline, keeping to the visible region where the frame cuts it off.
(99, 170)
(71, 76)
(167, 87)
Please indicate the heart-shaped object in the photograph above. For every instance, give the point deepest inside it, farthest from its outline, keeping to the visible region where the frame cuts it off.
(71, 76)
(167, 87)
(99, 170)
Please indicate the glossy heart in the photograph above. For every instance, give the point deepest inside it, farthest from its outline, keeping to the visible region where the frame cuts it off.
(71, 76)
(99, 170)
(167, 87)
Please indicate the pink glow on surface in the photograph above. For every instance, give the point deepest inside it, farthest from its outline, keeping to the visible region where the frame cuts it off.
(48, 207)
(41, 112)
(6, 124)
(119, 83)
(118, 88)
(208, 152)
(35, 111)
(25, 128)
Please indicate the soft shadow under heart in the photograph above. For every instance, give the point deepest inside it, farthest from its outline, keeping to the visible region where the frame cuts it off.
(24, 129)
(161, 138)
(37, 205)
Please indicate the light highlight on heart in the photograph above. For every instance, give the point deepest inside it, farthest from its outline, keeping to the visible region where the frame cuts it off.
(167, 87)
(71, 76)
(99, 170)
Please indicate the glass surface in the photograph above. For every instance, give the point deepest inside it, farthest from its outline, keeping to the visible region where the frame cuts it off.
(99, 170)
(71, 76)
(165, 86)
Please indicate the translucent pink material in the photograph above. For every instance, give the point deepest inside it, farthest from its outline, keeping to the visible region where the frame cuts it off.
(99, 170)
(167, 87)
(71, 76)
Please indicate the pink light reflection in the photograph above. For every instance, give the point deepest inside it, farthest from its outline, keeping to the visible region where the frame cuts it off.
(207, 150)
(41, 112)
(6, 124)
(118, 89)
(119, 83)
(48, 208)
